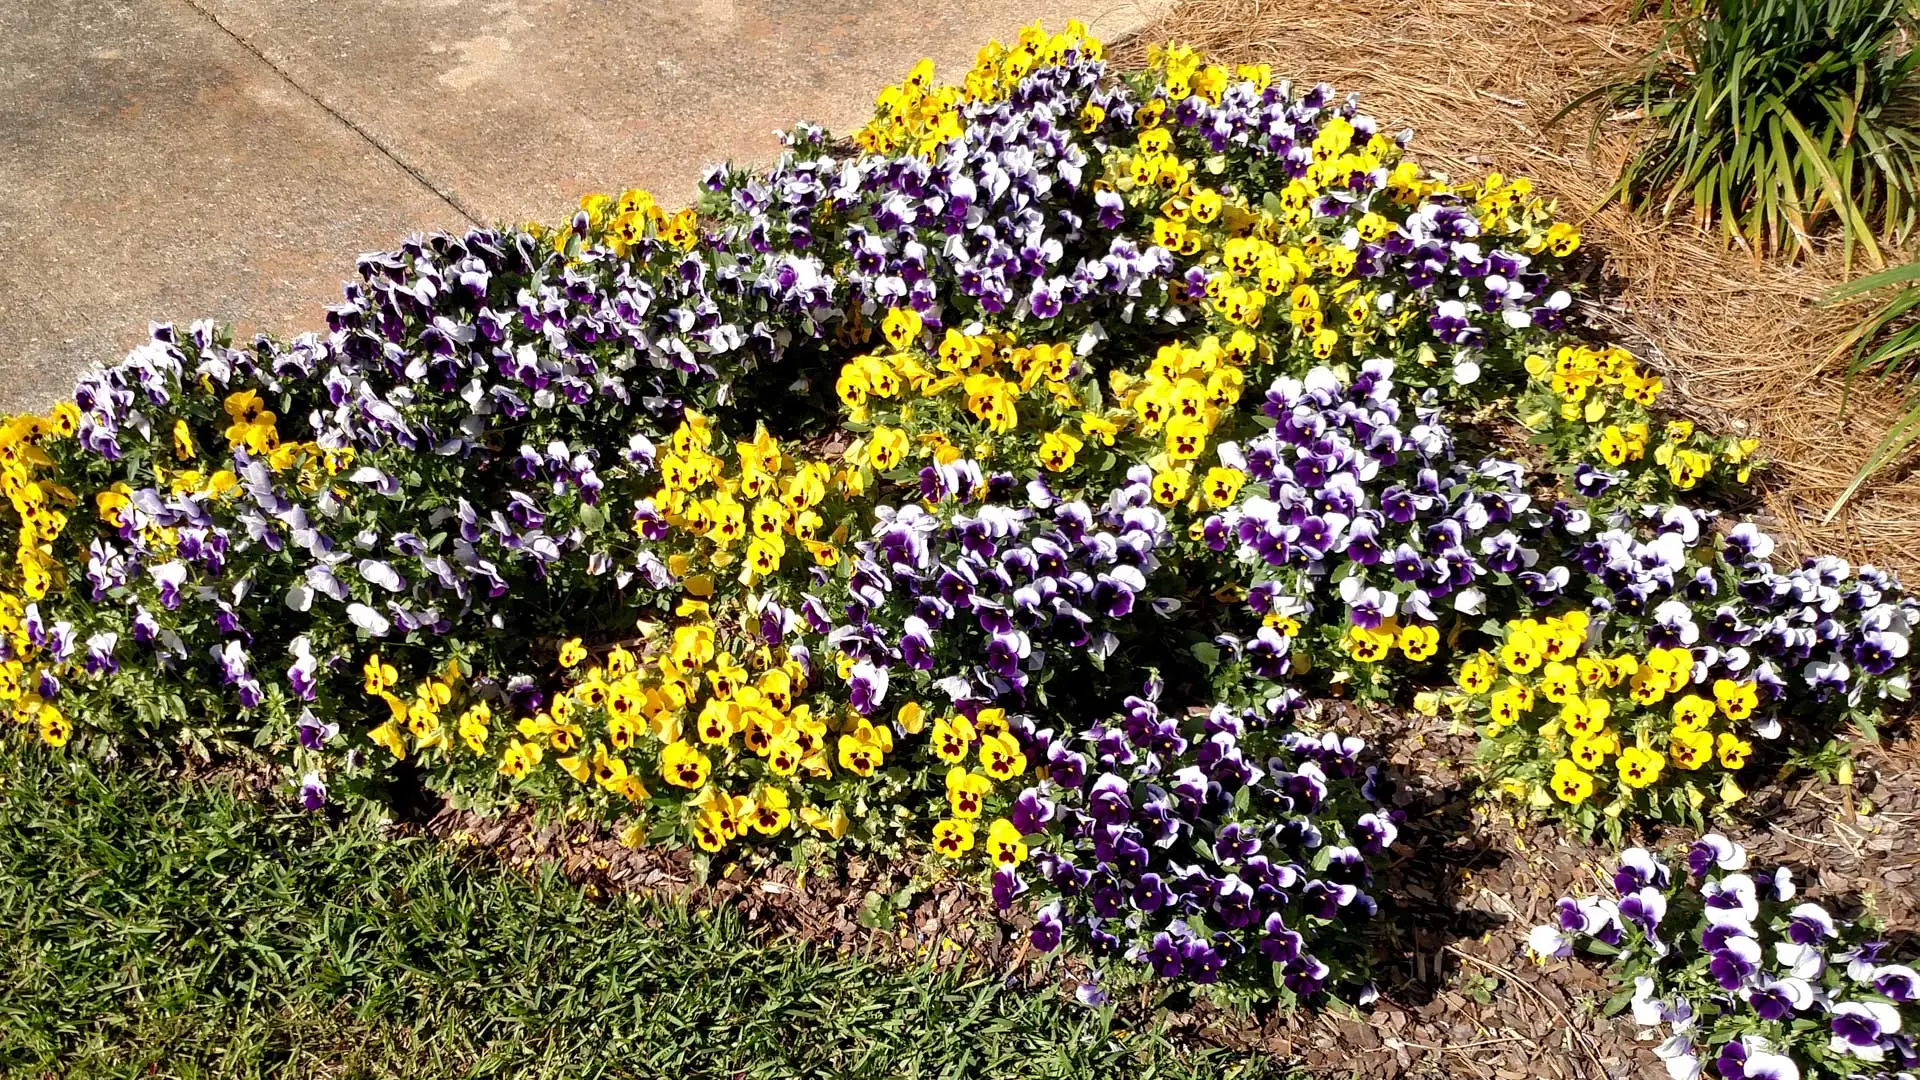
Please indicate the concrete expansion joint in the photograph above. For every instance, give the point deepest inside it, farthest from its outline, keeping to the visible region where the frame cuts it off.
(419, 176)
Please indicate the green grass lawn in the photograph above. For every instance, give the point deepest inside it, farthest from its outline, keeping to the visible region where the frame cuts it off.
(155, 929)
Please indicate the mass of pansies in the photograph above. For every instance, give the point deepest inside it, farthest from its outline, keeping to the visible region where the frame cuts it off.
(1006, 482)
(1750, 981)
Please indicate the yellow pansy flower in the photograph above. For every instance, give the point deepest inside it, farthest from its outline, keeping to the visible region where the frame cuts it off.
(1418, 641)
(1736, 700)
(967, 791)
(901, 326)
(1477, 674)
(684, 765)
(55, 728)
(1734, 751)
(1690, 747)
(953, 838)
(1058, 450)
(1001, 756)
(1692, 711)
(1570, 783)
(388, 735)
(1639, 766)
(1006, 848)
(519, 758)
(834, 822)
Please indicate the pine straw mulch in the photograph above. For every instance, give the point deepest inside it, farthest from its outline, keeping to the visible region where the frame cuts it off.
(1742, 341)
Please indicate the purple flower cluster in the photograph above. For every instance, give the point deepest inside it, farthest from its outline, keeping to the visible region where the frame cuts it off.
(1806, 990)
(1822, 632)
(1202, 847)
(1348, 490)
(1003, 224)
(1352, 497)
(981, 595)
(1437, 249)
(398, 517)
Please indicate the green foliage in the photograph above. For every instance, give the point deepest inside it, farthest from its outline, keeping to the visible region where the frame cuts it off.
(176, 930)
(1774, 116)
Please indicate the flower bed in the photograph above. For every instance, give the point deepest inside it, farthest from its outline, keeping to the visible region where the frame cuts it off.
(1000, 483)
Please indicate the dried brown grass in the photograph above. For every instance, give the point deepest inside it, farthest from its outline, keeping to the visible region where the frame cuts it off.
(1741, 341)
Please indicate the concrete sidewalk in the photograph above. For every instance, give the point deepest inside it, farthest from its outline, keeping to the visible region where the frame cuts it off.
(227, 159)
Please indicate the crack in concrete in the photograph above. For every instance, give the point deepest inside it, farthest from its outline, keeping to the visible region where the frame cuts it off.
(418, 175)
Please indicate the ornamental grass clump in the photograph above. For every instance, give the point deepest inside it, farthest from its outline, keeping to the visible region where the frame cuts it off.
(1776, 117)
(1750, 981)
(855, 506)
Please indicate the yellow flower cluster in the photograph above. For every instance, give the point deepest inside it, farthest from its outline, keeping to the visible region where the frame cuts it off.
(1185, 394)
(984, 378)
(954, 740)
(745, 518)
(1257, 255)
(414, 721)
(621, 223)
(1592, 381)
(20, 678)
(701, 719)
(1415, 641)
(988, 371)
(1186, 73)
(755, 702)
(1607, 392)
(40, 505)
(1682, 455)
(1509, 208)
(915, 116)
(1179, 400)
(252, 426)
(1155, 167)
(1605, 709)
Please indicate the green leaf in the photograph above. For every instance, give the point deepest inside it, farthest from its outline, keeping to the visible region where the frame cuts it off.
(1903, 434)
(1837, 193)
(1618, 1003)
(1902, 274)
(1869, 731)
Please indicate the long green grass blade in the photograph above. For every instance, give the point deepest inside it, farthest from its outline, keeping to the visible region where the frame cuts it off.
(1837, 194)
(1902, 274)
(1903, 435)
